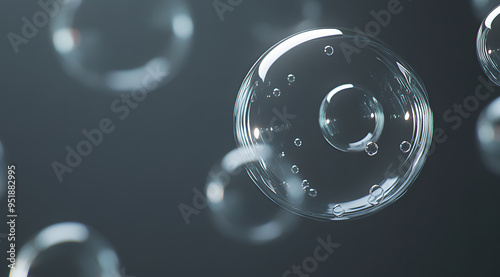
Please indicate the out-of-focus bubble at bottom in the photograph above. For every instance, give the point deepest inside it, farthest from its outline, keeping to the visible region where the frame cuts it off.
(67, 249)
(488, 134)
(239, 210)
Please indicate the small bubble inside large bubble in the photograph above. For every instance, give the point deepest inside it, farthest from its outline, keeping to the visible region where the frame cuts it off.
(338, 211)
(329, 50)
(405, 147)
(376, 195)
(305, 184)
(371, 149)
(298, 142)
(312, 192)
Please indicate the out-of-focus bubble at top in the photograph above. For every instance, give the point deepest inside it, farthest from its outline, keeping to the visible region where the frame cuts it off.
(488, 134)
(67, 249)
(481, 8)
(239, 210)
(269, 24)
(488, 45)
(123, 45)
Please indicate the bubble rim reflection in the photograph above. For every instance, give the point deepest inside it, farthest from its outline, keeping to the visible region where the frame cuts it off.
(489, 66)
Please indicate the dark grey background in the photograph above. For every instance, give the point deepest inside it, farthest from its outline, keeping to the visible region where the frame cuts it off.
(130, 187)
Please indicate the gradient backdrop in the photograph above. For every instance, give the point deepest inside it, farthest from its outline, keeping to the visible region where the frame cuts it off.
(130, 187)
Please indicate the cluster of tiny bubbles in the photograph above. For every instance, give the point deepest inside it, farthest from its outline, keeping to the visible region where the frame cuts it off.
(488, 135)
(350, 121)
(488, 45)
(67, 249)
(238, 210)
(123, 45)
(271, 23)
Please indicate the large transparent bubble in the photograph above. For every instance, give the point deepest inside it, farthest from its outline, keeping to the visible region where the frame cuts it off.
(67, 249)
(239, 210)
(121, 45)
(348, 115)
(488, 45)
(488, 134)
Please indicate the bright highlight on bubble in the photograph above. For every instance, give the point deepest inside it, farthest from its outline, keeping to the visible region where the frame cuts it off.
(329, 50)
(355, 128)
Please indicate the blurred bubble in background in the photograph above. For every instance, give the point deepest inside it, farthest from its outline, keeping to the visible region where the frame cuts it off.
(482, 8)
(348, 115)
(123, 45)
(67, 249)
(488, 134)
(239, 210)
